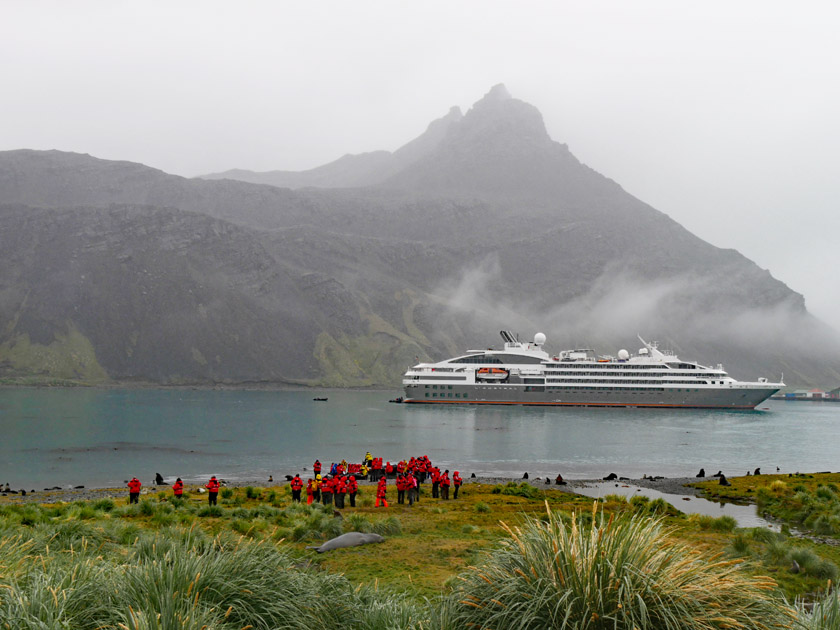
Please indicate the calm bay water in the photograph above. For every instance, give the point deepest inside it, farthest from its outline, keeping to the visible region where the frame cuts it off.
(100, 437)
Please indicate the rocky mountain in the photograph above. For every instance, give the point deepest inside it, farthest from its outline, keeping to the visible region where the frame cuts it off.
(351, 171)
(117, 271)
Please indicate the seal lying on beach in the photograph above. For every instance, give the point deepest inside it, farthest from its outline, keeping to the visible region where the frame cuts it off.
(350, 539)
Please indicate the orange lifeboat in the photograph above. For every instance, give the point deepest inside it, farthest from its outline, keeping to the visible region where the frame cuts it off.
(491, 374)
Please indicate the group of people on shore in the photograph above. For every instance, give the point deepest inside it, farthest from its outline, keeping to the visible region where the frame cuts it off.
(342, 482)
(212, 487)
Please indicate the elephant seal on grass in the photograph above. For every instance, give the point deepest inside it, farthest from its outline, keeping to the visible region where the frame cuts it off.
(350, 539)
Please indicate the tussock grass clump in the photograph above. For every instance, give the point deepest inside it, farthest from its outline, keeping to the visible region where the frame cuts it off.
(710, 523)
(765, 535)
(388, 526)
(825, 614)
(212, 511)
(147, 508)
(778, 486)
(104, 505)
(243, 527)
(614, 498)
(481, 507)
(825, 492)
(740, 545)
(620, 574)
(357, 523)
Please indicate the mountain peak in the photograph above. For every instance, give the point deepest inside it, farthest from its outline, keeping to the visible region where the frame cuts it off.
(497, 93)
(499, 114)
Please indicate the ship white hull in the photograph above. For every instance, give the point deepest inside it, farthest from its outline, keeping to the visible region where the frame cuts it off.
(743, 397)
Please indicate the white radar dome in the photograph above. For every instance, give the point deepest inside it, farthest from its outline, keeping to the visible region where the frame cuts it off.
(623, 355)
(539, 339)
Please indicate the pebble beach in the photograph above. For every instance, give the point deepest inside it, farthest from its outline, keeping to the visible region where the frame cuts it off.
(675, 485)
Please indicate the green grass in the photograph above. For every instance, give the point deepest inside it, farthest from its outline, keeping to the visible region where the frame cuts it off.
(809, 502)
(428, 551)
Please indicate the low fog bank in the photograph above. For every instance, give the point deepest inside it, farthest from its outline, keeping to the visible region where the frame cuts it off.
(688, 315)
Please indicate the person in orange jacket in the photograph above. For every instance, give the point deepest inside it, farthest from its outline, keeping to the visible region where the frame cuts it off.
(212, 490)
(178, 488)
(297, 485)
(456, 481)
(381, 491)
(309, 491)
(134, 490)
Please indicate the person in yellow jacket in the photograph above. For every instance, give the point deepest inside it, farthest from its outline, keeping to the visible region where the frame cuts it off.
(316, 489)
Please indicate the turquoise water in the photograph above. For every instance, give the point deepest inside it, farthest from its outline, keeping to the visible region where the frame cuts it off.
(95, 437)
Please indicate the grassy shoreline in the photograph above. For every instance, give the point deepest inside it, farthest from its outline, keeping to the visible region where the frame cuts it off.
(430, 548)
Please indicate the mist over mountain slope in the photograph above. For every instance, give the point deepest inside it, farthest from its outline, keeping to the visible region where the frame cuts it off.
(114, 270)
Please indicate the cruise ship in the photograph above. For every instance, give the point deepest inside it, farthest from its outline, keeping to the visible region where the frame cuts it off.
(523, 373)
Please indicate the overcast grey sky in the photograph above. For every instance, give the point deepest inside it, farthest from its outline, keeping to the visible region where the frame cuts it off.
(724, 115)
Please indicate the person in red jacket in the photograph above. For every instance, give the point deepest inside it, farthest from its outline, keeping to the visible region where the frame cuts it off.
(376, 470)
(316, 467)
(411, 488)
(212, 490)
(435, 482)
(381, 491)
(340, 492)
(297, 485)
(456, 481)
(444, 485)
(310, 490)
(178, 488)
(400, 483)
(134, 490)
(352, 489)
(327, 491)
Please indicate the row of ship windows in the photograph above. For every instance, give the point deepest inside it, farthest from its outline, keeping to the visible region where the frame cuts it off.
(624, 390)
(613, 366)
(656, 382)
(552, 383)
(553, 388)
(603, 374)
